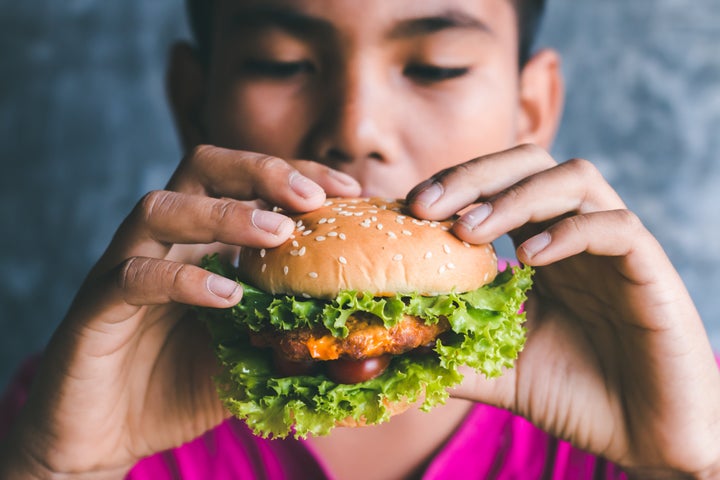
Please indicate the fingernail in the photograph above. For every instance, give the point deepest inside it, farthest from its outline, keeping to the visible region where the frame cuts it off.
(221, 286)
(472, 219)
(270, 222)
(536, 244)
(303, 186)
(343, 178)
(429, 195)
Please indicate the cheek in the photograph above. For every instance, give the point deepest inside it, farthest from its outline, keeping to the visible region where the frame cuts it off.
(259, 118)
(476, 122)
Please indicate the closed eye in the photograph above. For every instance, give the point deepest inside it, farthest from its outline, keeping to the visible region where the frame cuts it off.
(431, 73)
(277, 69)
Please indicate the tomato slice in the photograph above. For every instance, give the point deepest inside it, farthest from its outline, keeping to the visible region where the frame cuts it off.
(356, 371)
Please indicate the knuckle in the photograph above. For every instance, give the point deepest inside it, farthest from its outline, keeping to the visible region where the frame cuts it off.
(583, 167)
(221, 211)
(129, 273)
(516, 192)
(199, 152)
(536, 151)
(154, 202)
(630, 219)
(269, 164)
(178, 274)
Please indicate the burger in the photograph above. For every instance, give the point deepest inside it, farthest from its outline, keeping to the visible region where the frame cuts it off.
(362, 313)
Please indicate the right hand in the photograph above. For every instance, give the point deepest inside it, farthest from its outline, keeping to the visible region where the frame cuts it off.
(129, 372)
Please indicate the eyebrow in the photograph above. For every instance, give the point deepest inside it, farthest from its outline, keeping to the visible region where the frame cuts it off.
(301, 24)
(449, 19)
(287, 19)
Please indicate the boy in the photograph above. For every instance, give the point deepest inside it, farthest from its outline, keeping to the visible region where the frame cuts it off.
(425, 100)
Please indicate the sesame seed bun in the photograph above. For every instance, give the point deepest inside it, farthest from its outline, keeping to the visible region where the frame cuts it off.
(370, 245)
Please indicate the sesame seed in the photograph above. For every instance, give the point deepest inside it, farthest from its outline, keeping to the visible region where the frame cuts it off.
(342, 236)
(301, 252)
(401, 217)
(319, 238)
(428, 254)
(416, 221)
(301, 228)
(485, 277)
(342, 260)
(295, 244)
(305, 295)
(313, 275)
(379, 226)
(466, 244)
(342, 205)
(365, 223)
(262, 253)
(306, 233)
(434, 224)
(263, 268)
(399, 220)
(285, 270)
(337, 209)
(358, 214)
(276, 209)
(391, 234)
(327, 203)
(331, 220)
(398, 257)
(299, 222)
(332, 234)
(373, 218)
(446, 248)
(322, 220)
(442, 269)
(444, 228)
(372, 211)
(450, 266)
(407, 232)
(294, 253)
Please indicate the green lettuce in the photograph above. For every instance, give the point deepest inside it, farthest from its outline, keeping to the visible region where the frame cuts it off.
(488, 323)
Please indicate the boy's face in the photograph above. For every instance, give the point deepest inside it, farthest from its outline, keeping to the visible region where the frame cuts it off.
(387, 91)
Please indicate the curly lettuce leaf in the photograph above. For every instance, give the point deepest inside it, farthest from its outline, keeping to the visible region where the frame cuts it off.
(488, 337)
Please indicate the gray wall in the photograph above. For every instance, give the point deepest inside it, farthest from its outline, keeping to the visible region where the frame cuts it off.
(84, 132)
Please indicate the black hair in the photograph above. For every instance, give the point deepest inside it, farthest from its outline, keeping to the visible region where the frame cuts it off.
(529, 14)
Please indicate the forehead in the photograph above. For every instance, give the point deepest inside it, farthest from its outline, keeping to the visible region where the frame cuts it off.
(373, 18)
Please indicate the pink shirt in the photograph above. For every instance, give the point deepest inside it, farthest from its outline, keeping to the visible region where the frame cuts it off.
(490, 444)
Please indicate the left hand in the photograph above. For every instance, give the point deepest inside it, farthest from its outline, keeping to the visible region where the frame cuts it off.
(617, 360)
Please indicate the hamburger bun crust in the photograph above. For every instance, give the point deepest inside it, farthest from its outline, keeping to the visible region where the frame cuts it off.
(369, 245)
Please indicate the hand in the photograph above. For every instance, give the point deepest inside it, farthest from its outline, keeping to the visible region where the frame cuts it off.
(617, 360)
(128, 372)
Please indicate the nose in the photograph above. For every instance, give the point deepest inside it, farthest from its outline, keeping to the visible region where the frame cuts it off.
(354, 128)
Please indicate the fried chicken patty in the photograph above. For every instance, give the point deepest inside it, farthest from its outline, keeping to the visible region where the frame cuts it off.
(367, 338)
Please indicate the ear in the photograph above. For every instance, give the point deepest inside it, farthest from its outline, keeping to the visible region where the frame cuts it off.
(186, 87)
(542, 93)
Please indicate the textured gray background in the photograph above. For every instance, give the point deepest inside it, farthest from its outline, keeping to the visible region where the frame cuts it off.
(84, 132)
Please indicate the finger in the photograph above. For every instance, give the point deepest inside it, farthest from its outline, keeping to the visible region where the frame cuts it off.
(575, 186)
(219, 172)
(163, 218)
(150, 281)
(453, 189)
(607, 233)
(334, 182)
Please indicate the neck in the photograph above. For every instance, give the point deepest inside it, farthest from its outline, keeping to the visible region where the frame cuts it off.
(400, 448)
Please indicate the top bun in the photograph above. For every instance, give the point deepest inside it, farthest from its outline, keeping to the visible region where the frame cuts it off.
(370, 245)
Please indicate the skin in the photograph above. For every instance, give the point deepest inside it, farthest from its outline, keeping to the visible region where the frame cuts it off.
(617, 360)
